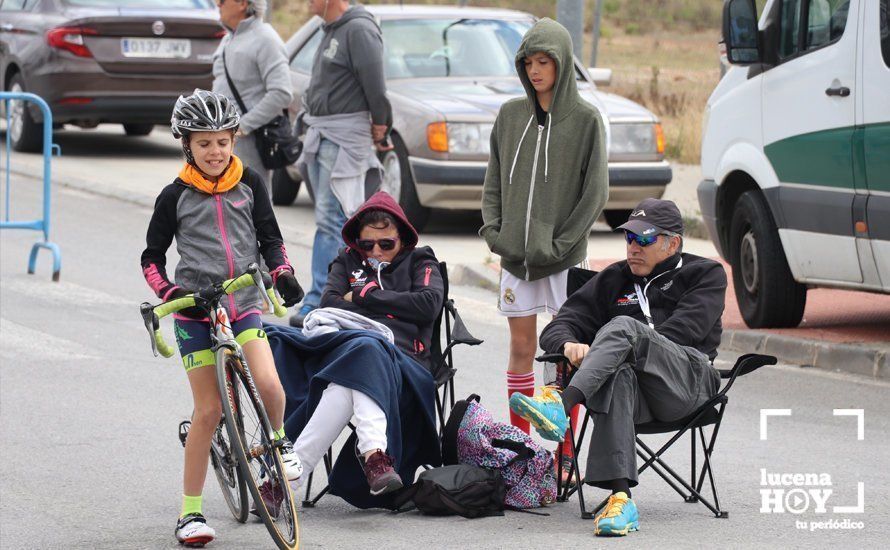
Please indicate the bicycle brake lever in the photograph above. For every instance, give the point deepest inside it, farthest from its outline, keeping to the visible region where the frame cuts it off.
(152, 323)
(260, 279)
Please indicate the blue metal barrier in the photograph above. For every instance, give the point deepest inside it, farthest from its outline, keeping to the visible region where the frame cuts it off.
(40, 224)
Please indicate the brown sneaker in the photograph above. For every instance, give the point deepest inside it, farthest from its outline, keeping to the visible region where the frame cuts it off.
(382, 478)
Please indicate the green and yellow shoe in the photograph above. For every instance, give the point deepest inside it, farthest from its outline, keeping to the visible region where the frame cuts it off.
(545, 412)
(618, 518)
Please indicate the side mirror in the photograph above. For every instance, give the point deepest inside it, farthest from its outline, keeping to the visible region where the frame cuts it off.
(600, 76)
(740, 33)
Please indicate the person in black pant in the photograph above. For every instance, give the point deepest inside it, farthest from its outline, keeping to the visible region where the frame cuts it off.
(642, 334)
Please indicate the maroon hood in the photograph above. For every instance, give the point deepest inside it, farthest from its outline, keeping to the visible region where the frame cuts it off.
(381, 200)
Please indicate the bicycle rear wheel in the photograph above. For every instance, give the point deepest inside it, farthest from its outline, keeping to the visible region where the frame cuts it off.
(258, 457)
(231, 480)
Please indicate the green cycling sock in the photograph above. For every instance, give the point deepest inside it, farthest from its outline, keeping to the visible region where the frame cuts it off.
(191, 505)
(279, 433)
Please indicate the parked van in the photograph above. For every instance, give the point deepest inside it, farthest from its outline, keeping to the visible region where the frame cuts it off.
(796, 153)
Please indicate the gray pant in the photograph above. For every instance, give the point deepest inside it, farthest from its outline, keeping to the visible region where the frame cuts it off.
(633, 375)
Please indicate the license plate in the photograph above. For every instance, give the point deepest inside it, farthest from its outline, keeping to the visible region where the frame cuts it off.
(166, 48)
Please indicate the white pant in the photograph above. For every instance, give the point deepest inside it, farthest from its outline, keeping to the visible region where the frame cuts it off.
(335, 409)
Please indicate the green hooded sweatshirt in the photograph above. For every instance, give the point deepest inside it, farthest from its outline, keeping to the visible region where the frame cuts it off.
(545, 185)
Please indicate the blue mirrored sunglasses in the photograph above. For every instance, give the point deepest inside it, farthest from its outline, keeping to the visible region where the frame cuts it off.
(630, 237)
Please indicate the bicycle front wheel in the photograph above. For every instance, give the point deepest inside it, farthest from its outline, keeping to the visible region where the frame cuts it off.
(257, 455)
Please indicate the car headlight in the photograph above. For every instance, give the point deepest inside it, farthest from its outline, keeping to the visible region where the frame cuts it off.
(459, 137)
(636, 138)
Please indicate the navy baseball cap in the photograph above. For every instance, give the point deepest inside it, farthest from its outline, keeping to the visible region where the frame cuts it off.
(654, 216)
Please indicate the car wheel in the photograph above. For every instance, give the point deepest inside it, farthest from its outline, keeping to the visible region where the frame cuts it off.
(138, 129)
(25, 133)
(398, 182)
(284, 189)
(767, 294)
(616, 217)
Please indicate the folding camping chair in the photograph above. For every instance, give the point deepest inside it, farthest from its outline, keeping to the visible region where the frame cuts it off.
(709, 414)
(443, 371)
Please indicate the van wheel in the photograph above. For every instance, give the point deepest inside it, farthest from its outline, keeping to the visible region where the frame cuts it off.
(398, 182)
(767, 294)
(25, 133)
(284, 189)
(616, 217)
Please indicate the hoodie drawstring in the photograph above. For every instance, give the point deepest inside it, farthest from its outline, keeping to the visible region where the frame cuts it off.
(516, 156)
(547, 149)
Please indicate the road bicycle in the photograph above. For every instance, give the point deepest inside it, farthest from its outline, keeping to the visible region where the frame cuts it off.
(243, 452)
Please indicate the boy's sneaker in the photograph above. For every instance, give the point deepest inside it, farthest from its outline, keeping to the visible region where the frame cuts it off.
(545, 412)
(618, 518)
(296, 320)
(273, 496)
(382, 478)
(293, 467)
(192, 531)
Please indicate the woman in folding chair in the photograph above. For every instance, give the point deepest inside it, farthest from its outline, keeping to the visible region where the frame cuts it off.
(377, 376)
(642, 334)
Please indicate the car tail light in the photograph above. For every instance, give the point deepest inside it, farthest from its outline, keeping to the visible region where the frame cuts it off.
(659, 139)
(437, 137)
(75, 101)
(220, 33)
(70, 39)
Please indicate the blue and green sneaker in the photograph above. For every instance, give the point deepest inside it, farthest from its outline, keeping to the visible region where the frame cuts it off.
(618, 518)
(545, 412)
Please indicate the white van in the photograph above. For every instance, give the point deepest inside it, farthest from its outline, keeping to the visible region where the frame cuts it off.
(796, 153)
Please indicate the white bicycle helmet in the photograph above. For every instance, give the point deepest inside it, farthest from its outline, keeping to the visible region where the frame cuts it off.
(203, 111)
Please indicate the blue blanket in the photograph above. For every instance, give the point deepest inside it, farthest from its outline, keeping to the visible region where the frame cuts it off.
(366, 362)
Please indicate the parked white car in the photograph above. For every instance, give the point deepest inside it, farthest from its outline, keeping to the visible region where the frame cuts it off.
(796, 153)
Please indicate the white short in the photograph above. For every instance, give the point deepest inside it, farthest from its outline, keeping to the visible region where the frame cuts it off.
(521, 298)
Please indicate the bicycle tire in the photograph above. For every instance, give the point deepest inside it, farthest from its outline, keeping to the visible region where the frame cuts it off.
(231, 480)
(252, 434)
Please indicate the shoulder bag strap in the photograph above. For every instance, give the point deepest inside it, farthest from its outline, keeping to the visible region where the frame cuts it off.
(232, 85)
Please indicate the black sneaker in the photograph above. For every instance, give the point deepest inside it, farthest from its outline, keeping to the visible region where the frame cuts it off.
(192, 531)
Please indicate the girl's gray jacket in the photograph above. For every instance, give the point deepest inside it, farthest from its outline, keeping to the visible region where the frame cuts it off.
(217, 237)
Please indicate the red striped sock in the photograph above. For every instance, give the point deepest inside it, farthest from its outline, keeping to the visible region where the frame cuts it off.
(524, 384)
(565, 448)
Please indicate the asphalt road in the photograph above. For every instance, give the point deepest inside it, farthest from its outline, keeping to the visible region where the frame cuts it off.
(88, 419)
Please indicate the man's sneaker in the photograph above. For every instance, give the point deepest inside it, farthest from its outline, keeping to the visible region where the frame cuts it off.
(618, 518)
(192, 531)
(545, 412)
(272, 496)
(296, 320)
(293, 467)
(382, 478)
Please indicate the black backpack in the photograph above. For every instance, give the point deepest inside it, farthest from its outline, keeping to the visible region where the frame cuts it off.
(467, 491)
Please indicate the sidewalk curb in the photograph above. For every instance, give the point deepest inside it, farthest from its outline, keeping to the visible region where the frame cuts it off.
(858, 359)
(91, 187)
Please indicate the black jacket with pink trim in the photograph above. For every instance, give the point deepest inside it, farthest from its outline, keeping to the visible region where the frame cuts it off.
(217, 237)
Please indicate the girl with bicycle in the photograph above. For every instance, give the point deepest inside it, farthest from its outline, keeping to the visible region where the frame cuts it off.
(221, 216)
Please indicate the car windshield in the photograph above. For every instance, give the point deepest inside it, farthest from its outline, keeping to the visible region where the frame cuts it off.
(417, 48)
(172, 4)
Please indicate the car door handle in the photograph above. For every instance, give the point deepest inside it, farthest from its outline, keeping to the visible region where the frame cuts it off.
(840, 91)
(6, 27)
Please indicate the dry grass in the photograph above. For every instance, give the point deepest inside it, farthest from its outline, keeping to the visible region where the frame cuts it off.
(663, 54)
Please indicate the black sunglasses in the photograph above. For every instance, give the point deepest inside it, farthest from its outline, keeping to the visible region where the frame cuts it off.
(387, 243)
(630, 237)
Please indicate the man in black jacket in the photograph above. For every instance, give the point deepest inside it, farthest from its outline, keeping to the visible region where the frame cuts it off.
(642, 334)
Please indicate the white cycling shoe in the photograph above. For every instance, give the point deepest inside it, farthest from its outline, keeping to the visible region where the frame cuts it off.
(192, 531)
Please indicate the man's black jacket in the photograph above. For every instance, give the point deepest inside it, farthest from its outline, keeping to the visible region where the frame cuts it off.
(686, 303)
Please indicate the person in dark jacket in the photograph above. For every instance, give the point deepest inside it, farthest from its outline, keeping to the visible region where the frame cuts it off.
(382, 275)
(642, 334)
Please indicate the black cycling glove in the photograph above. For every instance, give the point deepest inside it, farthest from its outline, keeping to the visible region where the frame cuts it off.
(289, 288)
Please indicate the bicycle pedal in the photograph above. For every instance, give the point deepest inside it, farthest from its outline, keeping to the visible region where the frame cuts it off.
(184, 428)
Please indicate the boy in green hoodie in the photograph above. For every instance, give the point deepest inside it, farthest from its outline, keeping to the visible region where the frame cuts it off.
(546, 183)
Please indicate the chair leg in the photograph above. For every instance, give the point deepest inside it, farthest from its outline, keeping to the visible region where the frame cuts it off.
(577, 470)
(308, 502)
(692, 471)
(655, 458)
(328, 460)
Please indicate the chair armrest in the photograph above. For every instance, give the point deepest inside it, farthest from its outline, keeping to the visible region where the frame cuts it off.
(552, 358)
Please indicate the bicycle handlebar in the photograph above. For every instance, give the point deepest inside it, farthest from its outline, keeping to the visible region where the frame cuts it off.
(152, 315)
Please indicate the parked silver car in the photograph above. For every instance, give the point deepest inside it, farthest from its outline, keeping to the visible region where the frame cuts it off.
(448, 71)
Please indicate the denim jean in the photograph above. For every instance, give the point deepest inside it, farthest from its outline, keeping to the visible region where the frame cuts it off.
(329, 220)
